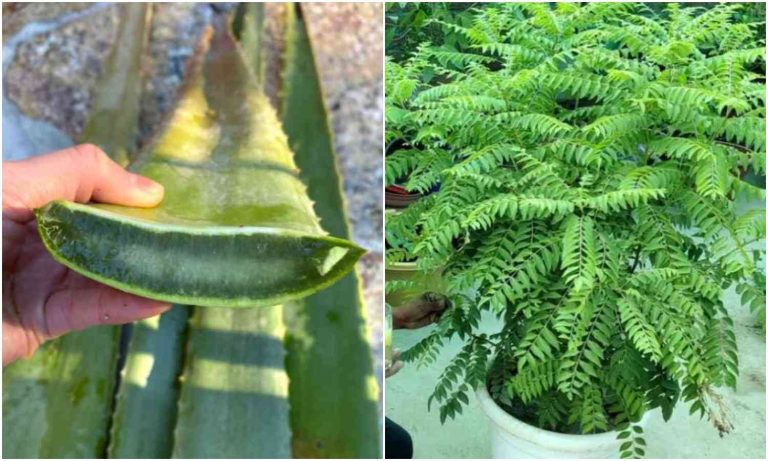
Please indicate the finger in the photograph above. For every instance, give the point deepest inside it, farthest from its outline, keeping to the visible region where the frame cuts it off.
(394, 368)
(77, 308)
(414, 324)
(17, 341)
(439, 303)
(81, 173)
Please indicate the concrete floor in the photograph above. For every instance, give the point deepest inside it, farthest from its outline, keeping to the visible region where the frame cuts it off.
(683, 436)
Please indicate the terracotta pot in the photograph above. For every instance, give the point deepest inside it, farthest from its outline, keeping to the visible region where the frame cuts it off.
(395, 200)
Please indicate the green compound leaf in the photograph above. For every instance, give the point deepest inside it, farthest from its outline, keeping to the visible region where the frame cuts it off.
(333, 391)
(231, 190)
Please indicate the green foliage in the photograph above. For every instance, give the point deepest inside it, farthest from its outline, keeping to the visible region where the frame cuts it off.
(410, 23)
(587, 159)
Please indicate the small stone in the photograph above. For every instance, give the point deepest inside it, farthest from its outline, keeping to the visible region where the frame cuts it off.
(18, 14)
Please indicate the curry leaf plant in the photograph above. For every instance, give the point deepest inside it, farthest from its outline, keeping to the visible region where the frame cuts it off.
(588, 159)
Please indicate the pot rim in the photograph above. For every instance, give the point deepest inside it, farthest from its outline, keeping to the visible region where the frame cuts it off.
(542, 437)
(405, 196)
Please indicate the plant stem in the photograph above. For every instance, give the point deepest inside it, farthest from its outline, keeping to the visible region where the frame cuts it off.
(637, 259)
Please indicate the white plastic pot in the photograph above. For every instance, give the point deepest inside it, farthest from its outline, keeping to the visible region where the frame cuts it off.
(514, 439)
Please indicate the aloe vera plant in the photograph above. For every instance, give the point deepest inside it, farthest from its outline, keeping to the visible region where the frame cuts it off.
(231, 189)
(58, 403)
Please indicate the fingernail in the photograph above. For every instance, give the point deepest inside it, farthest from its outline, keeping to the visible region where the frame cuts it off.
(147, 185)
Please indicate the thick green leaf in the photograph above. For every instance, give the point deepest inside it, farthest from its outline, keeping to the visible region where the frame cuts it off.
(254, 266)
(248, 27)
(113, 122)
(333, 391)
(231, 190)
(234, 391)
(57, 403)
(145, 409)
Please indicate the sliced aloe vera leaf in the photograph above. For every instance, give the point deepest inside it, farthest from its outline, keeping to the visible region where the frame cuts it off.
(233, 400)
(58, 403)
(333, 391)
(252, 266)
(231, 190)
(145, 409)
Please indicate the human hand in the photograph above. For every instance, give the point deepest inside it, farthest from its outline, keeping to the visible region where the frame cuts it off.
(42, 299)
(395, 364)
(419, 312)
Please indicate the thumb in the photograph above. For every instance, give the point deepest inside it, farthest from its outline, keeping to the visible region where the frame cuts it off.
(81, 173)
